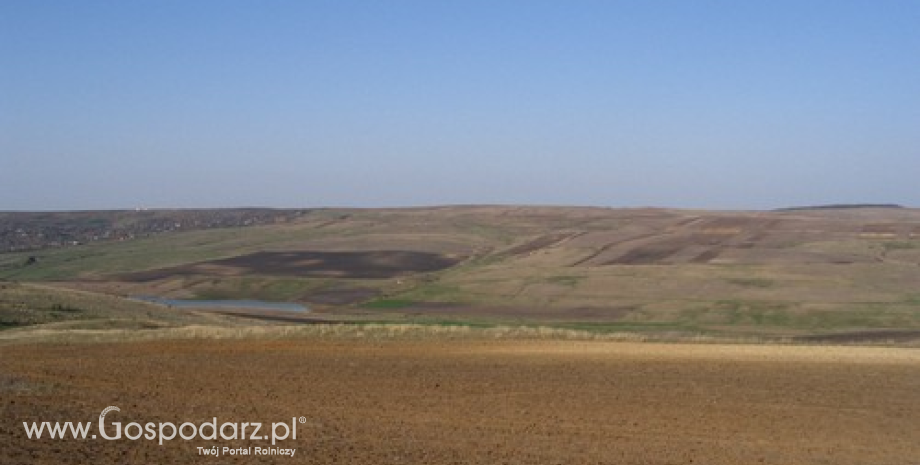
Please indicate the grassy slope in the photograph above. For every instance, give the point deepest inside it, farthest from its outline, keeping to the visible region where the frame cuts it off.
(769, 294)
(23, 305)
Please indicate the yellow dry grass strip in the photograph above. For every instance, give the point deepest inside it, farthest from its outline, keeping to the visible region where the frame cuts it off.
(512, 340)
(359, 331)
(724, 352)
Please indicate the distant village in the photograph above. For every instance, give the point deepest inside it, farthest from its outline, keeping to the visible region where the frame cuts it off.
(25, 231)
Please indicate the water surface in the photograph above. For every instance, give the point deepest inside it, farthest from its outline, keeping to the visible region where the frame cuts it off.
(238, 304)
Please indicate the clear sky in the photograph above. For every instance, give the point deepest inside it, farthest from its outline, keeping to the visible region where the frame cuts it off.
(710, 104)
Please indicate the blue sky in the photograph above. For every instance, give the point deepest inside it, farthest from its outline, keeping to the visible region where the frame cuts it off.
(709, 104)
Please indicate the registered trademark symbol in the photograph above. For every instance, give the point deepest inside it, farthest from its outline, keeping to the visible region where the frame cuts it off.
(303, 419)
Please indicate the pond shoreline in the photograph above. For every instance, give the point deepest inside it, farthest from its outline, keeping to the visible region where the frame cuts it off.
(223, 304)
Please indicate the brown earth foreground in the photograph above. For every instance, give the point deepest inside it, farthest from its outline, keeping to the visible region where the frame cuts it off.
(474, 401)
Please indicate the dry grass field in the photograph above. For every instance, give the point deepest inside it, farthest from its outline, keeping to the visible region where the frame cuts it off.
(473, 400)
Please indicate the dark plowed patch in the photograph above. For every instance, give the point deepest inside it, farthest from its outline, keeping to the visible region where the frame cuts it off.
(537, 244)
(885, 335)
(665, 247)
(341, 296)
(706, 256)
(647, 255)
(369, 265)
(596, 254)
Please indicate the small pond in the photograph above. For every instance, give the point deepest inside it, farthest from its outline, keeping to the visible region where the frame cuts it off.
(238, 304)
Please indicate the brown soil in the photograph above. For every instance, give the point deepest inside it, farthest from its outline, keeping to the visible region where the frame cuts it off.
(706, 256)
(647, 255)
(474, 402)
(374, 264)
(661, 249)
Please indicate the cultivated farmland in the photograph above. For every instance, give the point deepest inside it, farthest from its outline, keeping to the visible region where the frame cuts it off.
(440, 398)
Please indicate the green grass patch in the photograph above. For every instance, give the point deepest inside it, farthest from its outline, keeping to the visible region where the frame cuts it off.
(10, 325)
(388, 304)
(768, 315)
(759, 283)
(901, 245)
(434, 292)
(735, 312)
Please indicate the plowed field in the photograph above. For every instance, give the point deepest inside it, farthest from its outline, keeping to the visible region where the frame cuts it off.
(476, 401)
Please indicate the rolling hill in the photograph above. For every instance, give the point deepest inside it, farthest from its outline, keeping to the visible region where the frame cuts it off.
(844, 272)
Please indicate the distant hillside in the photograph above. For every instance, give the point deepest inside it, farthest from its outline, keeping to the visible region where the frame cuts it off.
(23, 231)
(841, 206)
(844, 273)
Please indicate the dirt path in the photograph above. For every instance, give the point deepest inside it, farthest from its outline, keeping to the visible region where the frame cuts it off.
(473, 401)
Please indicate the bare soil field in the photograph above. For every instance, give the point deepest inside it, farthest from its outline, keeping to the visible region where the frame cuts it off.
(523, 314)
(365, 264)
(443, 401)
